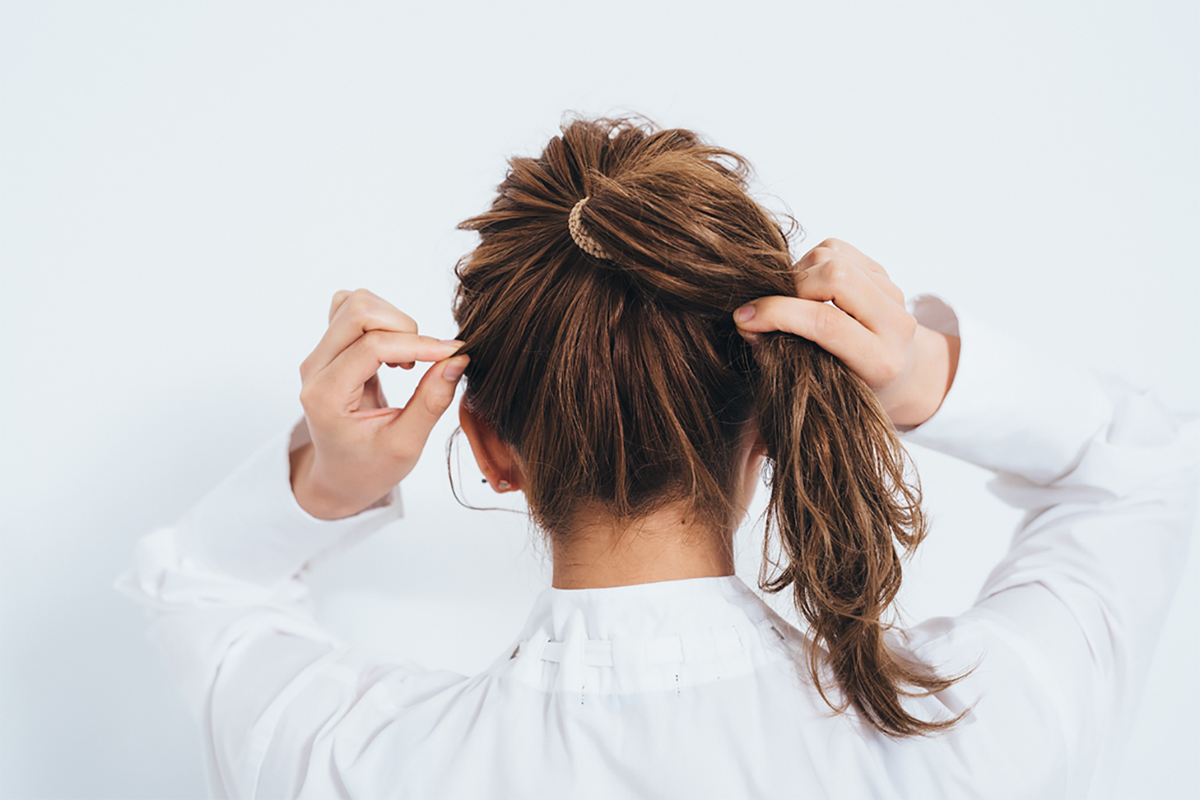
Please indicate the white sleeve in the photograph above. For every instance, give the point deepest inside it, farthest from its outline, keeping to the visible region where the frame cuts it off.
(1107, 478)
(224, 592)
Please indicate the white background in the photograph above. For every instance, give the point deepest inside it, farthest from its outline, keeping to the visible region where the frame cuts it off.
(183, 187)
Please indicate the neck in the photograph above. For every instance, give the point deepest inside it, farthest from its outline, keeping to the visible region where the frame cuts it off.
(668, 545)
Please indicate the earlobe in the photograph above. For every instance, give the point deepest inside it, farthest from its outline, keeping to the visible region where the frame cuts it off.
(497, 461)
(759, 448)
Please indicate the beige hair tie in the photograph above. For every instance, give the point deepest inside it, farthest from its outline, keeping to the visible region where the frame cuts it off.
(586, 243)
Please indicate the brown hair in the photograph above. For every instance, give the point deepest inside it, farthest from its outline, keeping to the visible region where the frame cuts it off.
(623, 382)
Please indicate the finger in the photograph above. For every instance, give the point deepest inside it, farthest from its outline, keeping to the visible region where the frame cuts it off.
(891, 290)
(828, 326)
(834, 249)
(339, 386)
(359, 312)
(853, 253)
(434, 394)
(338, 299)
(850, 289)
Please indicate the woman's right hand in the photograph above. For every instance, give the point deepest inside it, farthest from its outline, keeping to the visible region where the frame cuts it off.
(360, 447)
(908, 366)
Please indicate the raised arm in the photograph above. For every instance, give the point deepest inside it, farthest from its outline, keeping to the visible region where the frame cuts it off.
(1107, 478)
(1063, 631)
(223, 585)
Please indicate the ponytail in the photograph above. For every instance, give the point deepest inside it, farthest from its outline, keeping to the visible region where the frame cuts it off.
(839, 505)
(597, 311)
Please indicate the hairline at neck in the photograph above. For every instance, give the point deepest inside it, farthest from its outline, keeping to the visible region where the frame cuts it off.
(669, 544)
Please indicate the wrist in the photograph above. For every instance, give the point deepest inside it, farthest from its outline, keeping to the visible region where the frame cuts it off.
(934, 364)
(308, 492)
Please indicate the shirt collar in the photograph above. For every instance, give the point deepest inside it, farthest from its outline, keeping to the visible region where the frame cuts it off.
(647, 610)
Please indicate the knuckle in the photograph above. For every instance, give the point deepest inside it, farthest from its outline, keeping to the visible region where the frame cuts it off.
(435, 403)
(359, 303)
(307, 399)
(824, 324)
(887, 371)
(808, 282)
(823, 253)
(836, 272)
(406, 450)
(891, 365)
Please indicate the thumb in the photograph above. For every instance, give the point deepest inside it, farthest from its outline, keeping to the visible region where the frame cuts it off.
(433, 396)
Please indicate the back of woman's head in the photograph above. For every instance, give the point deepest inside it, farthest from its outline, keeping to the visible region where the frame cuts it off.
(609, 361)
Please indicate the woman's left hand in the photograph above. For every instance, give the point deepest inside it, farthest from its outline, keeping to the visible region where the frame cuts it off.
(360, 447)
(847, 304)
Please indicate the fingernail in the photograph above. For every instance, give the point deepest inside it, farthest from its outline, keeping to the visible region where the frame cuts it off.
(452, 342)
(454, 370)
(743, 314)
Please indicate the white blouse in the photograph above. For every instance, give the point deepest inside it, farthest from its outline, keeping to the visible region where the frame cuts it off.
(695, 688)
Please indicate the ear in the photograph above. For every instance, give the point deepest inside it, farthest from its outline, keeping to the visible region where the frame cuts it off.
(759, 448)
(497, 461)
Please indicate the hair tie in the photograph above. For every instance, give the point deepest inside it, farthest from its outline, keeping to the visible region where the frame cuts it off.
(586, 243)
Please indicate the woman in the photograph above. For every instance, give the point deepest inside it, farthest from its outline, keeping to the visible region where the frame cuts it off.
(637, 343)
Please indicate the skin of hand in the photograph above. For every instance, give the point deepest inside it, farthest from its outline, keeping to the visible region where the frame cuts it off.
(361, 448)
(846, 303)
